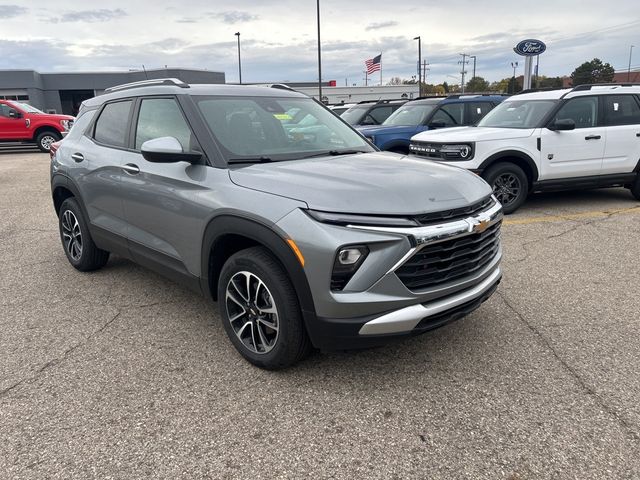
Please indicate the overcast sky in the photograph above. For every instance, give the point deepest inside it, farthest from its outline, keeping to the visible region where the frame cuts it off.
(279, 36)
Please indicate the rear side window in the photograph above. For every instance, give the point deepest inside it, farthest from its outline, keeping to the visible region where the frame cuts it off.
(477, 110)
(80, 124)
(111, 127)
(621, 110)
(161, 117)
(4, 110)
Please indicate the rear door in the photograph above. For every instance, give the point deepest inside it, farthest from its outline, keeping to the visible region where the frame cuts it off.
(574, 153)
(622, 121)
(99, 157)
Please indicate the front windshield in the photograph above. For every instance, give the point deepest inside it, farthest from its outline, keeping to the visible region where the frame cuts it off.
(26, 107)
(518, 114)
(254, 127)
(354, 115)
(410, 114)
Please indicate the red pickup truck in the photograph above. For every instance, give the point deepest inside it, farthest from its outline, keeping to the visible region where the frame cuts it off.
(20, 122)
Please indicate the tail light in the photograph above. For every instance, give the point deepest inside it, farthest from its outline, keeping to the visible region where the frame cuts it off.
(53, 149)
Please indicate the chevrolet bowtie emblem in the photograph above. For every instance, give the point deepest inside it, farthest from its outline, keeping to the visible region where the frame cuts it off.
(480, 226)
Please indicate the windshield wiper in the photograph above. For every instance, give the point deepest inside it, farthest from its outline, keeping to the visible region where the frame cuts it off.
(250, 160)
(335, 153)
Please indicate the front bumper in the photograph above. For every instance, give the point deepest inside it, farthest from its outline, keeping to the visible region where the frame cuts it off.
(370, 331)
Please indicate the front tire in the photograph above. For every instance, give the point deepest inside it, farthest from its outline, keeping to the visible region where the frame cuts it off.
(260, 311)
(510, 185)
(78, 245)
(45, 139)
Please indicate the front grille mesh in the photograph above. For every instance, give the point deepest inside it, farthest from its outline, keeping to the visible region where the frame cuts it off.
(446, 261)
(456, 213)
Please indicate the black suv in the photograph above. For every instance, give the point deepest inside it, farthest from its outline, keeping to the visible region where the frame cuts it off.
(371, 112)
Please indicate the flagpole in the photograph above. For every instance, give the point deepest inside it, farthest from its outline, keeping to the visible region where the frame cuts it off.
(380, 68)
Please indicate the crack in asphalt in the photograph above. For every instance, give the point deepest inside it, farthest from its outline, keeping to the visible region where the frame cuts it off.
(628, 426)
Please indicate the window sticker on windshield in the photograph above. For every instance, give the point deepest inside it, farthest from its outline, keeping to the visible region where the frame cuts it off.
(616, 105)
(282, 116)
(479, 111)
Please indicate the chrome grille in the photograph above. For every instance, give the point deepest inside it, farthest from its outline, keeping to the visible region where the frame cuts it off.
(443, 262)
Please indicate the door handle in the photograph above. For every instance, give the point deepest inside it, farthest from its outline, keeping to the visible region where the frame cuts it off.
(592, 137)
(78, 157)
(131, 169)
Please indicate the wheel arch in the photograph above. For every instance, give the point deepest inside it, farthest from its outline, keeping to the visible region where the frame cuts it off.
(46, 128)
(517, 157)
(227, 234)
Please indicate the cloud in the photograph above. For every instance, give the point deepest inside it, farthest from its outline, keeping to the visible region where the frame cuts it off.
(10, 11)
(379, 25)
(90, 16)
(234, 16)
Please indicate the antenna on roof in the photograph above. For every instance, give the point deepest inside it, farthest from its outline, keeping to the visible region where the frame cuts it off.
(145, 72)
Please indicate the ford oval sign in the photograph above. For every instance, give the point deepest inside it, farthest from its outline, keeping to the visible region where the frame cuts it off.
(530, 48)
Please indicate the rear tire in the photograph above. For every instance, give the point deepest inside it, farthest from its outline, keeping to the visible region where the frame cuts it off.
(260, 311)
(635, 187)
(78, 245)
(509, 183)
(45, 139)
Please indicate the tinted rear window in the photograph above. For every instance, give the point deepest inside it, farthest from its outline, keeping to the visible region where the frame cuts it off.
(111, 127)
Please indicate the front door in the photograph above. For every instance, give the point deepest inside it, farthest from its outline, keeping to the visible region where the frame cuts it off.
(165, 223)
(11, 128)
(578, 152)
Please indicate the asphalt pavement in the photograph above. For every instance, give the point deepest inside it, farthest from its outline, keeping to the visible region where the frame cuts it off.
(122, 374)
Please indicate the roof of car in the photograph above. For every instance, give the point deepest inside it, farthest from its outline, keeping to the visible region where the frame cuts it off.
(579, 91)
(194, 89)
(457, 98)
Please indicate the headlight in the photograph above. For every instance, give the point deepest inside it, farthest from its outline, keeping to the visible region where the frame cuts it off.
(347, 262)
(66, 125)
(457, 152)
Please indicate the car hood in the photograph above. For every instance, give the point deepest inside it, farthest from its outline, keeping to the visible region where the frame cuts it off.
(368, 183)
(472, 134)
(387, 130)
(51, 116)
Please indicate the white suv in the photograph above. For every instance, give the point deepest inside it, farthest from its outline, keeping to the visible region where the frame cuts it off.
(585, 137)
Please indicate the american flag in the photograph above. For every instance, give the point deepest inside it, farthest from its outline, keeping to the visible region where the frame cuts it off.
(373, 64)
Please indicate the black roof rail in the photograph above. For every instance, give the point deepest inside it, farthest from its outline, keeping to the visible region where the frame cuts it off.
(476, 94)
(173, 82)
(588, 86)
(281, 86)
(388, 100)
(540, 89)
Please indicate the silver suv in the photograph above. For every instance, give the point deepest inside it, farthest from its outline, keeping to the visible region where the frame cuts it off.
(304, 235)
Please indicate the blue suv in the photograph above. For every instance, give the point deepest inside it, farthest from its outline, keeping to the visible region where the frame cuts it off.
(427, 114)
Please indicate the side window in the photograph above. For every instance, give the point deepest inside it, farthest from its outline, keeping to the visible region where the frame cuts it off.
(477, 110)
(4, 110)
(111, 127)
(449, 114)
(161, 117)
(621, 110)
(80, 124)
(583, 111)
(380, 114)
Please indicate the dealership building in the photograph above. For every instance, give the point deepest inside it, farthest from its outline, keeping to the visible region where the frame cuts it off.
(63, 92)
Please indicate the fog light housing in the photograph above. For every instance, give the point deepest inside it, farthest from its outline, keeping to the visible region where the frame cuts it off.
(346, 264)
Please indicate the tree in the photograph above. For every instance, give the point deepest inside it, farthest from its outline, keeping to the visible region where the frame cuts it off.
(549, 82)
(501, 86)
(395, 81)
(477, 84)
(445, 85)
(592, 72)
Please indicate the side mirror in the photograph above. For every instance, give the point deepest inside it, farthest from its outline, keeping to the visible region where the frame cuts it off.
(14, 114)
(563, 124)
(437, 125)
(167, 150)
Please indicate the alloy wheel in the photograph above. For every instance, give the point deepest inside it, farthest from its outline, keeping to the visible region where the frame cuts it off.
(507, 188)
(71, 235)
(46, 142)
(252, 312)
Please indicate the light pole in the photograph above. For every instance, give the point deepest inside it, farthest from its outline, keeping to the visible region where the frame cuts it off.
(474, 65)
(629, 69)
(419, 65)
(237, 34)
(514, 65)
(464, 62)
(319, 54)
